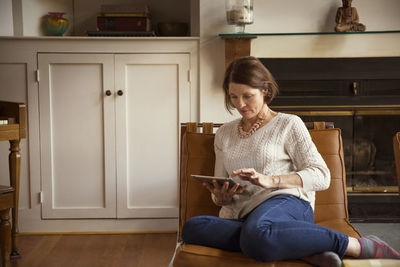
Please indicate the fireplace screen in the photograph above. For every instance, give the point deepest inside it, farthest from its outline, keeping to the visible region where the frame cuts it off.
(367, 144)
(361, 96)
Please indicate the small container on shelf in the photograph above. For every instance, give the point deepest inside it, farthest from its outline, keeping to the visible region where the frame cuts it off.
(56, 24)
(239, 13)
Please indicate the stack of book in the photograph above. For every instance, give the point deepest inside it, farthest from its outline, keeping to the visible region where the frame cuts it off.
(123, 20)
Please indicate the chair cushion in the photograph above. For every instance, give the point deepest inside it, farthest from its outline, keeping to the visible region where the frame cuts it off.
(341, 225)
(194, 255)
(200, 256)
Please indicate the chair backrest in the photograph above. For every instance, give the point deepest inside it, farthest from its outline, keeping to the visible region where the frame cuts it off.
(331, 203)
(197, 157)
(396, 148)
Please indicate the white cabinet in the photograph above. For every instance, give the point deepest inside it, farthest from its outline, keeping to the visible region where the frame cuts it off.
(93, 162)
(109, 133)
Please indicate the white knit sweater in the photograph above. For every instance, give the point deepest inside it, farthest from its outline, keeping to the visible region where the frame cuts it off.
(282, 146)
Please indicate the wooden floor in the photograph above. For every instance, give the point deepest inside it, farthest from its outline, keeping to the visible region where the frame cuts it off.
(138, 250)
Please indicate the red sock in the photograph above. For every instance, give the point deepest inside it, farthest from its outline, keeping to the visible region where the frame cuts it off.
(374, 248)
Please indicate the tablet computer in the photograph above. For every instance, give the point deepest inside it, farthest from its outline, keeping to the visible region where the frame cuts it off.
(209, 179)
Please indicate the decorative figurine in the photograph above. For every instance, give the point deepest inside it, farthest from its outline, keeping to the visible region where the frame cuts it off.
(347, 19)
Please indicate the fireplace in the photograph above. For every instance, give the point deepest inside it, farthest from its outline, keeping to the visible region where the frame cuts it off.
(361, 96)
(367, 144)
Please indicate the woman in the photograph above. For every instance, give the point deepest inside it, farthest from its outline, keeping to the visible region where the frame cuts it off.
(268, 213)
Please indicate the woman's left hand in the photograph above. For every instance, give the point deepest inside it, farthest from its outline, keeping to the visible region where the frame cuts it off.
(249, 174)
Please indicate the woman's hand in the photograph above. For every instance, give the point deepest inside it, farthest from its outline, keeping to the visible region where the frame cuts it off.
(265, 181)
(223, 193)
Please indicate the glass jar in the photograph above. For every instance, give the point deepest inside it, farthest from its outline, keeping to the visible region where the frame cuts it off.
(239, 13)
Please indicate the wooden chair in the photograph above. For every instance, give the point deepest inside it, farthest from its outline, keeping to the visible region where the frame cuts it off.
(6, 203)
(15, 130)
(197, 157)
(396, 148)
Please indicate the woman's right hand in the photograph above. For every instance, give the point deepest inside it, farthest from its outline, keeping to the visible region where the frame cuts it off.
(223, 193)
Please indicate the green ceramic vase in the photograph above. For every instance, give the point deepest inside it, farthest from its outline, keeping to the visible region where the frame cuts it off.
(55, 24)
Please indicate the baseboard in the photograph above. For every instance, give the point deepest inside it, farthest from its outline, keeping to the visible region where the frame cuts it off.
(98, 233)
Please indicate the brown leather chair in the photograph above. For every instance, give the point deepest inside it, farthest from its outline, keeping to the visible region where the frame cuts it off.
(396, 148)
(197, 157)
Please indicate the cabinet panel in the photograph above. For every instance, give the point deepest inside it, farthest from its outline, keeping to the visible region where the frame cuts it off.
(77, 135)
(156, 99)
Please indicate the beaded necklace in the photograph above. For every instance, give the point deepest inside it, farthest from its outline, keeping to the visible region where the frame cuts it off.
(260, 119)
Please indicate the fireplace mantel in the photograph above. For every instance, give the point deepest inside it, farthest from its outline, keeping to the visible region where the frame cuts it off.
(334, 44)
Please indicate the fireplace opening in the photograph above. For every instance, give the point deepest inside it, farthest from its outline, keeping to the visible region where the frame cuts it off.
(367, 146)
(361, 96)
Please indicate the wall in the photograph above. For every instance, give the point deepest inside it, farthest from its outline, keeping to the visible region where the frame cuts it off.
(319, 16)
(161, 11)
(34, 10)
(24, 17)
(6, 18)
(290, 16)
(80, 13)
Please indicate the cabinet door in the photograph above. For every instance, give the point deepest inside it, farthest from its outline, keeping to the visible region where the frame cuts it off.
(77, 132)
(156, 98)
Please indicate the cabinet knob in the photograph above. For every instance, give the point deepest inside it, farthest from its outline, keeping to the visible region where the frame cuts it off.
(120, 92)
(108, 93)
(355, 89)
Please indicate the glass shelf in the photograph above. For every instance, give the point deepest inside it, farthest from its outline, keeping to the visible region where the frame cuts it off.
(299, 33)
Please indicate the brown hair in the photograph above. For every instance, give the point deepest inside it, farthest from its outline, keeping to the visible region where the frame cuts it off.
(249, 71)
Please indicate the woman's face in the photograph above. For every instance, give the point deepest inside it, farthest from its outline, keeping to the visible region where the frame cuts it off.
(247, 100)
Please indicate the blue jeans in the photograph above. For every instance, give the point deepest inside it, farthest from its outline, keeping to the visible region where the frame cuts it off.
(280, 228)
